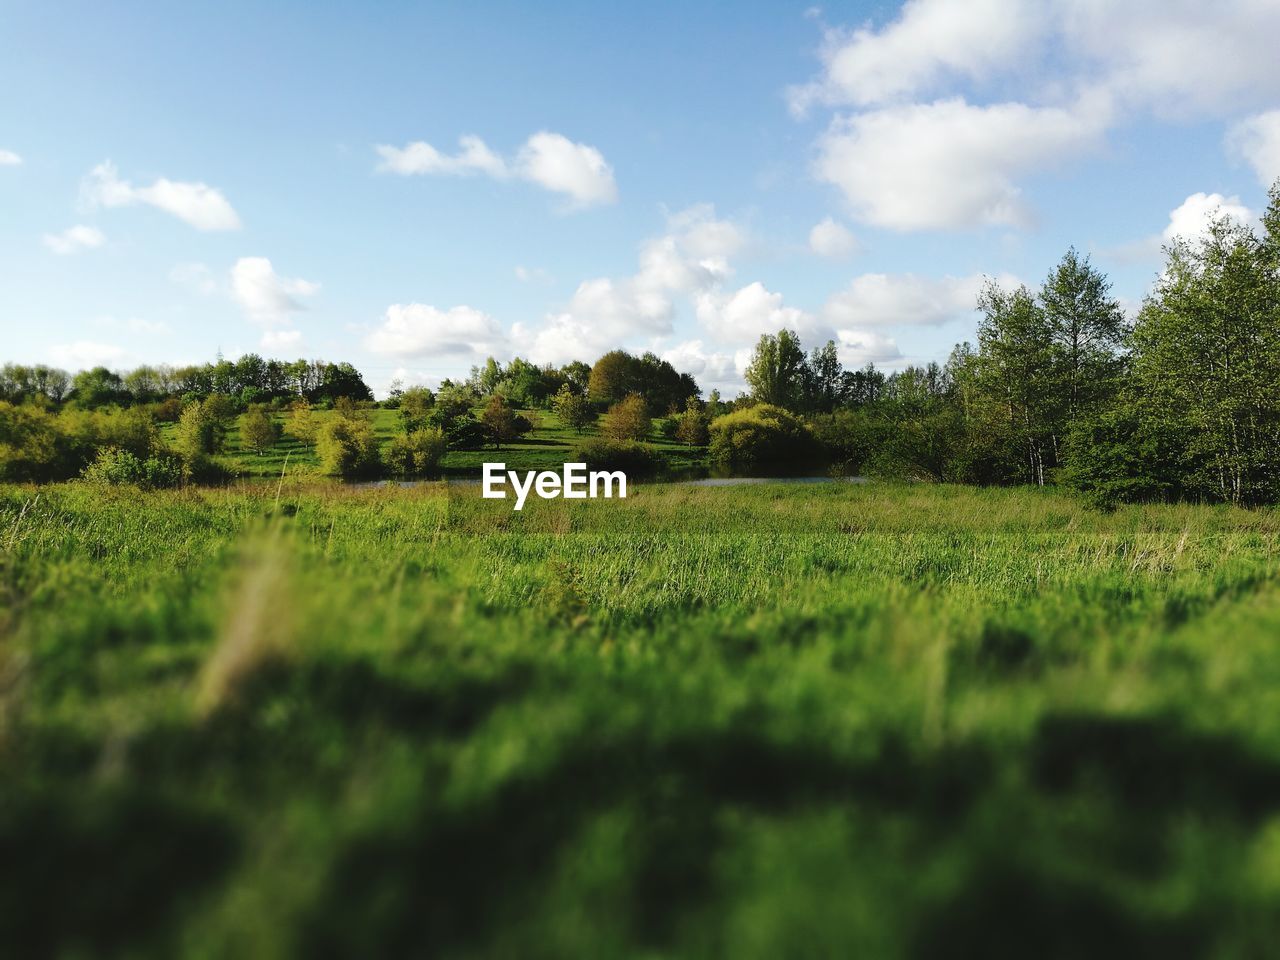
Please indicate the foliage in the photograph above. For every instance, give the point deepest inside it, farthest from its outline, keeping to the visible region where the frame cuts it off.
(116, 466)
(762, 436)
(417, 453)
(501, 423)
(691, 425)
(202, 428)
(628, 419)
(347, 448)
(632, 458)
(777, 372)
(258, 431)
(302, 423)
(573, 409)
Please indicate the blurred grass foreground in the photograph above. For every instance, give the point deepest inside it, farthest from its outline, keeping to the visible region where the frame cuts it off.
(758, 721)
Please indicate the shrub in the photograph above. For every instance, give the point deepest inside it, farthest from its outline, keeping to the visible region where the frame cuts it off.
(347, 448)
(258, 431)
(202, 429)
(633, 459)
(302, 423)
(762, 436)
(573, 409)
(417, 454)
(502, 423)
(628, 419)
(116, 466)
(691, 426)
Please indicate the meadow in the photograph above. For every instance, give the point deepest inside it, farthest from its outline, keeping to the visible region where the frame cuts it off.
(850, 721)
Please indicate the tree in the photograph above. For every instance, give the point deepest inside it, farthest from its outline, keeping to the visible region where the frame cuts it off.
(826, 378)
(691, 426)
(502, 423)
(417, 453)
(762, 436)
(98, 387)
(573, 409)
(258, 432)
(201, 431)
(612, 377)
(1087, 327)
(348, 448)
(629, 419)
(1206, 361)
(1017, 347)
(302, 423)
(776, 371)
(415, 408)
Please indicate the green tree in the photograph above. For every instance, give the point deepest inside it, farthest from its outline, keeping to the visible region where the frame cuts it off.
(1206, 360)
(691, 425)
(776, 373)
(348, 448)
(201, 431)
(1087, 327)
(502, 423)
(302, 423)
(573, 409)
(825, 378)
(258, 431)
(629, 419)
(417, 453)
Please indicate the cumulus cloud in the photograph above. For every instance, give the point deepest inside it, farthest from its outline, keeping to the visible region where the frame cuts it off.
(831, 239)
(881, 300)
(9, 159)
(74, 239)
(1191, 219)
(748, 312)
(712, 368)
(550, 160)
(198, 204)
(473, 156)
(911, 155)
(692, 256)
(950, 165)
(83, 354)
(857, 348)
(930, 41)
(1173, 56)
(1256, 140)
(419, 330)
(265, 296)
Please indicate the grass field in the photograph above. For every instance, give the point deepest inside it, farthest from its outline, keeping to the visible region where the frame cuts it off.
(546, 447)
(829, 721)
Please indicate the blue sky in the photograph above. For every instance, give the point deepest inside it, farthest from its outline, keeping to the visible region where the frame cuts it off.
(289, 178)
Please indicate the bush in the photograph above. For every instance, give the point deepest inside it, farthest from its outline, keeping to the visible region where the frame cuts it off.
(633, 459)
(258, 431)
(417, 454)
(669, 428)
(628, 419)
(691, 426)
(347, 448)
(763, 436)
(116, 466)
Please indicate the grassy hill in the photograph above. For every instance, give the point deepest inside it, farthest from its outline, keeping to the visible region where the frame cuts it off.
(548, 446)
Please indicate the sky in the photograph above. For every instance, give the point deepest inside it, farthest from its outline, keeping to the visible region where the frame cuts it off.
(415, 186)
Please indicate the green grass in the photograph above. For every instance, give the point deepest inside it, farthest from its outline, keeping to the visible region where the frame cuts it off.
(546, 447)
(762, 721)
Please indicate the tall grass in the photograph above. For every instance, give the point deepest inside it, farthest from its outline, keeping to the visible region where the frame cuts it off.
(753, 721)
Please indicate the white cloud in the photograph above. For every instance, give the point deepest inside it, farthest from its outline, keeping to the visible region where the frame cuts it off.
(418, 330)
(551, 160)
(575, 169)
(1191, 220)
(857, 348)
(9, 159)
(930, 41)
(196, 276)
(281, 340)
(473, 156)
(605, 312)
(133, 325)
(198, 204)
(905, 299)
(831, 239)
(711, 368)
(83, 354)
(749, 312)
(264, 295)
(74, 239)
(1172, 56)
(1256, 139)
(950, 165)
